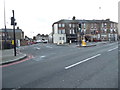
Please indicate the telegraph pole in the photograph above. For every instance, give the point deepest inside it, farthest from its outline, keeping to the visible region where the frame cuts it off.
(14, 23)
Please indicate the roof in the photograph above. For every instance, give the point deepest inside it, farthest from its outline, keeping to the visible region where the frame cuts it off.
(10, 30)
(83, 21)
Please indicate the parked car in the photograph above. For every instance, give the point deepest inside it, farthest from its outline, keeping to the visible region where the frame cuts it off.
(45, 41)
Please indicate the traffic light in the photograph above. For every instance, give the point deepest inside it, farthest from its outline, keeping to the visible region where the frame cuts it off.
(12, 20)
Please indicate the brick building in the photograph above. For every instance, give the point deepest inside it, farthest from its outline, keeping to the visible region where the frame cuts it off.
(65, 31)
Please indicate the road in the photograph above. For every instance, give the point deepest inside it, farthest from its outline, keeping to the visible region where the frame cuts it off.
(65, 67)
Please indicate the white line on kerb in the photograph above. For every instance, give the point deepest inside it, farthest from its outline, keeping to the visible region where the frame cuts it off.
(112, 49)
(70, 66)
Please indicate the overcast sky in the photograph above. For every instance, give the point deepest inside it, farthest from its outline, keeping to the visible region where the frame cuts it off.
(37, 16)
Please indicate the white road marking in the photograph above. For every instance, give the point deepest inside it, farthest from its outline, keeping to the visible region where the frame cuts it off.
(42, 56)
(48, 46)
(70, 66)
(112, 49)
(37, 48)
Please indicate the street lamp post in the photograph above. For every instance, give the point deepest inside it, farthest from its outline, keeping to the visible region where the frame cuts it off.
(5, 27)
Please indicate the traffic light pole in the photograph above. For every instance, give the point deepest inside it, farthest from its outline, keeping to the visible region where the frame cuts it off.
(14, 34)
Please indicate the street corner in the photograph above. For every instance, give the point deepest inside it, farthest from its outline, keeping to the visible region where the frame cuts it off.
(17, 61)
(13, 59)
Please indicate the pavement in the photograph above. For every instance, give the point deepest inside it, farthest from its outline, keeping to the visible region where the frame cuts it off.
(7, 56)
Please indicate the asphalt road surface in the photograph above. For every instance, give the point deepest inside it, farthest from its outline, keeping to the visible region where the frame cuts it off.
(65, 67)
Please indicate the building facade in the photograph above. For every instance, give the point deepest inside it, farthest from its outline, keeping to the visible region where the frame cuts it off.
(7, 37)
(9, 34)
(65, 31)
(42, 38)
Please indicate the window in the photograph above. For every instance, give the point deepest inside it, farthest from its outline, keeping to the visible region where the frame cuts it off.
(59, 31)
(84, 25)
(105, 24)
(73, 25)
(70, 31)
(91, 25)
(84, 30)
(3, 34)
(114, 24)
(114, 30)
(111, 25)
(73, 31)
(105, 30)
(111, 30)
(102, 25)
(60, 38)
(95, 25)
(69, 25)
(63, 38)
(63, 25)
(63, 31)
(59, 25)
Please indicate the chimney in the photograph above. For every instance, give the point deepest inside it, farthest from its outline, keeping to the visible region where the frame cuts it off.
(108, 19)
(17, 27)
(73, 18)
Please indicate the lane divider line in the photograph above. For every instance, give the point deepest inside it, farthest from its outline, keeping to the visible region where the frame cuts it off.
(70, 66)
(112, 49)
